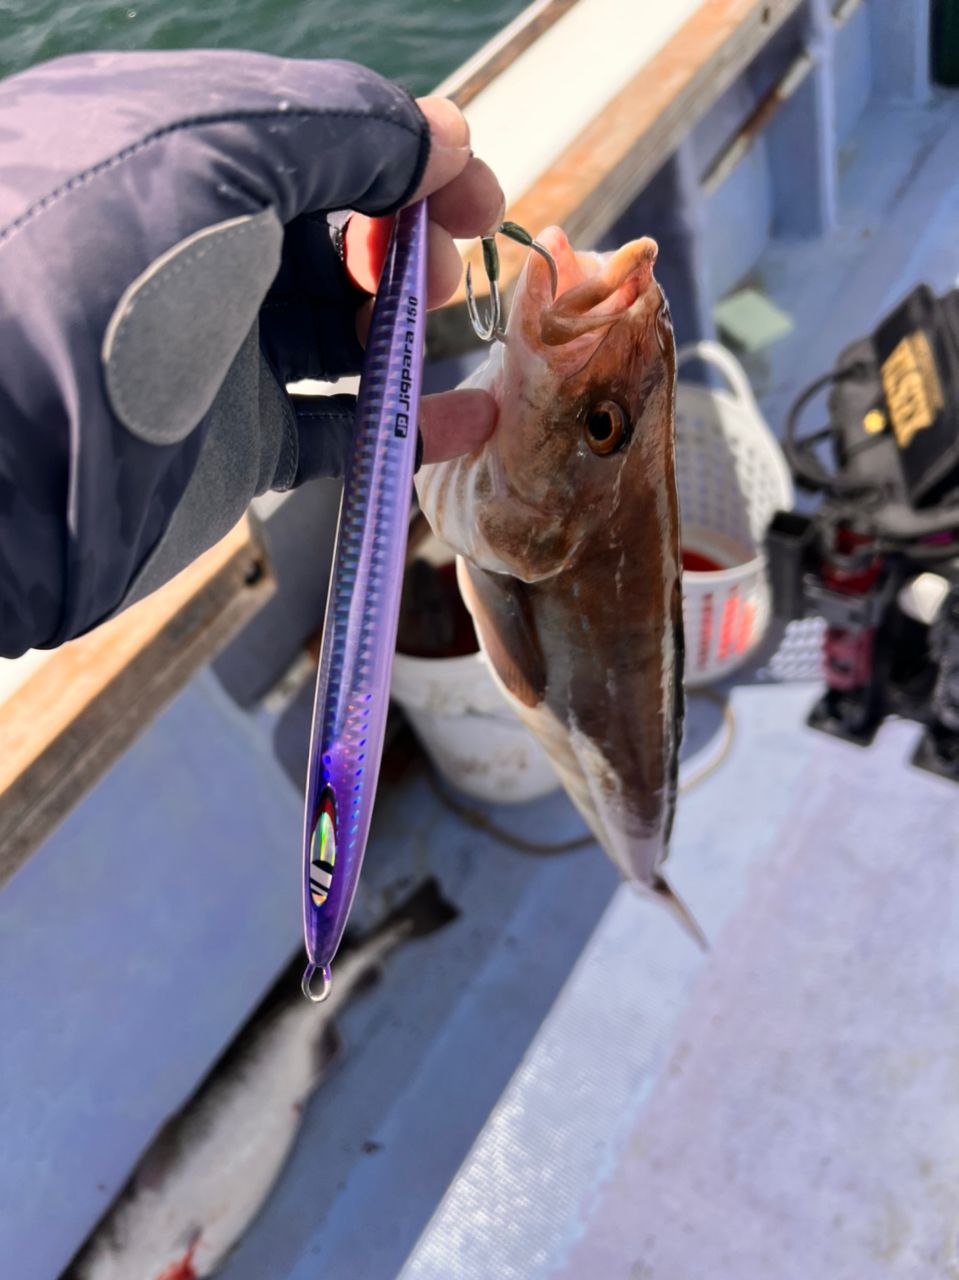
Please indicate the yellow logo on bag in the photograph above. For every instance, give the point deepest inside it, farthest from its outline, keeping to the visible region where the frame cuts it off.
(911, 386)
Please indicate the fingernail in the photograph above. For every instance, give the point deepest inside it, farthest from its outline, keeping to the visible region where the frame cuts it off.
(500, 216)
(484, 177)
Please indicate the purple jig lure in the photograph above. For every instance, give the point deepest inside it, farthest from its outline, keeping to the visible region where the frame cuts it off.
(359, 634)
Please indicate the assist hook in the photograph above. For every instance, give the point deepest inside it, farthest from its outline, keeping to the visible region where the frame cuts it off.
(493, 327)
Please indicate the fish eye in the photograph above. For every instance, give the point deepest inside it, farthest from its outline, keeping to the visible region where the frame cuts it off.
(607, 427)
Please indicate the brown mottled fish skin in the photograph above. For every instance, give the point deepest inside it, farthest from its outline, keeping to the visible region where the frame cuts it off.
(570, 559)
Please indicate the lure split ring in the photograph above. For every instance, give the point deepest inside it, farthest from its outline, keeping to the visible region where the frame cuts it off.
(326, 982)
(493, 327)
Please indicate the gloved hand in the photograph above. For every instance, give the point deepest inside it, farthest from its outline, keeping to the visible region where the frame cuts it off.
(172, 242)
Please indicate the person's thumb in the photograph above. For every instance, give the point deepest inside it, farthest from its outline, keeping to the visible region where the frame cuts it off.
(451, 423)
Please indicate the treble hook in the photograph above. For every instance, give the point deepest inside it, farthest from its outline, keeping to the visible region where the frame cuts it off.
(493, 328)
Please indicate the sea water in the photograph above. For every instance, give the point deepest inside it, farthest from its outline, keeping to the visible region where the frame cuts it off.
(417, 42)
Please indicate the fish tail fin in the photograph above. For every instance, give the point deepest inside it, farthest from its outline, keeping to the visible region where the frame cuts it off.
(661, 887)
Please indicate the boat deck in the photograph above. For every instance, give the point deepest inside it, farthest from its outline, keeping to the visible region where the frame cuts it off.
(558, 1084)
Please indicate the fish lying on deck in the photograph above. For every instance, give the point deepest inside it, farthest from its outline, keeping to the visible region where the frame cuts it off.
(567, 525)
(207, 1174)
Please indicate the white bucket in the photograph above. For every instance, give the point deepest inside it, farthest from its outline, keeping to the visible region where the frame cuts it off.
(465, 725)
(732, 477)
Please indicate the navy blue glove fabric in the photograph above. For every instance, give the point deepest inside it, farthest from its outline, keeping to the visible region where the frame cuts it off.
(108, 161)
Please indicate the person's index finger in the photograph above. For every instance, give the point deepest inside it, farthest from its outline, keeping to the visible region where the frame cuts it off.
(450, 144)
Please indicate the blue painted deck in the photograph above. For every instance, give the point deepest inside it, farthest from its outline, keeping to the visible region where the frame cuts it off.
(785, 1107)
(558, 1084)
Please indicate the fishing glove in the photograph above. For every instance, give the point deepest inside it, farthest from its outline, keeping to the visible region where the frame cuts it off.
(170, 258)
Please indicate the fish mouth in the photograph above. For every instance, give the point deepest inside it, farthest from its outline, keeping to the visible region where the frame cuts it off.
(594, 290)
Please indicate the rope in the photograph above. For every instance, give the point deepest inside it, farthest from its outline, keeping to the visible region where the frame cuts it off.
(729, 729)
(476, 818)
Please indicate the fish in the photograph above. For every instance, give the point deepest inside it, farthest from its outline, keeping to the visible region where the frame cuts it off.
(211, 1168)
(567, 532)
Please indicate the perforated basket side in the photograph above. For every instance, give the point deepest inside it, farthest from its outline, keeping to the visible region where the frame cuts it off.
(731, 474)
(711, 494)
(732, 477)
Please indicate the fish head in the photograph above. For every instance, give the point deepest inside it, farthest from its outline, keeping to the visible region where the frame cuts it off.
(584, 384)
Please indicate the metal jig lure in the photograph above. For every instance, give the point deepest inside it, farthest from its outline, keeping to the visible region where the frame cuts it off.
(493, 327)
(359, 634)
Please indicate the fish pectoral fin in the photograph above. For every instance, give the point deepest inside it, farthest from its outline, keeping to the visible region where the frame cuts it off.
(661, 887)
(506, 629)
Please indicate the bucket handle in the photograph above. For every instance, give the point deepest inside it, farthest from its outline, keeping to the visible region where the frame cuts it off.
(722, 359)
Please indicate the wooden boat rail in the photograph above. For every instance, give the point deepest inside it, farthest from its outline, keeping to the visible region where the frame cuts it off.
(80, 709)
(609, 163)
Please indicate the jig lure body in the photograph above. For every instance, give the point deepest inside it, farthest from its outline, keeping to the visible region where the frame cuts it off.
(359, 634)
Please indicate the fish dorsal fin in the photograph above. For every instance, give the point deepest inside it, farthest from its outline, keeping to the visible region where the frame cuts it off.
(507, 630)
(667, 895)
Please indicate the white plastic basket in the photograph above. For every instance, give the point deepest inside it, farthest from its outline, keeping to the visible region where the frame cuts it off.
(732, 477)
